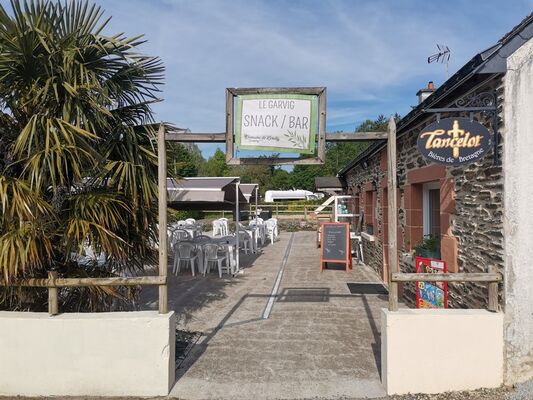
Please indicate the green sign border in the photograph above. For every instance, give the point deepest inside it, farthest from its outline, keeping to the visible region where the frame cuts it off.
(312, 134)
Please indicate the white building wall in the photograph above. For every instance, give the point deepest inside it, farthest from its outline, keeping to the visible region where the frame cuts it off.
(518, 214)
(92, 354)
(441, 350)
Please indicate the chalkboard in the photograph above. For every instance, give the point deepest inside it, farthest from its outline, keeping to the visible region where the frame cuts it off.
(335, 244)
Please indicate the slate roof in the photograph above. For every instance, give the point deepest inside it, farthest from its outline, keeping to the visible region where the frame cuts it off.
(328, 182)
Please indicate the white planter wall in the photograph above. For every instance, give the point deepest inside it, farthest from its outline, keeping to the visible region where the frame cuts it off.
(96, 354)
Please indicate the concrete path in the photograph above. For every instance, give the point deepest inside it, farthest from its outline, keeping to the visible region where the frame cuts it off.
(317, 341)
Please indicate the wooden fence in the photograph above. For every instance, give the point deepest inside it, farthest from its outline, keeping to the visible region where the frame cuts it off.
(53, 283)
(493, 278)
(283, 209)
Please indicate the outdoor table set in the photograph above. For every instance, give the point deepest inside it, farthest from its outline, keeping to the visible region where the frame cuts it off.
(201, 253)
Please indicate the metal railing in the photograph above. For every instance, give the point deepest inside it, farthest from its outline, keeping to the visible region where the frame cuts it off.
(493, 278)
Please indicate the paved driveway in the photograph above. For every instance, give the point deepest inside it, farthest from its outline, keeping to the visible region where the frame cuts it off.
(314, 339)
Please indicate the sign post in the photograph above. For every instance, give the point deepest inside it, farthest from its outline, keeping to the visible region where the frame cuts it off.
(335, 244)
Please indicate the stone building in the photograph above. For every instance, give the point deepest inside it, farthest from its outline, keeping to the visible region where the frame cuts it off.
(479, 214)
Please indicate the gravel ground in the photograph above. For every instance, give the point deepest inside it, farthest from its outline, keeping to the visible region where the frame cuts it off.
(522, 391)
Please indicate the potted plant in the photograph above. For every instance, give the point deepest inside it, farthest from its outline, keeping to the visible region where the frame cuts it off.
(429, 247)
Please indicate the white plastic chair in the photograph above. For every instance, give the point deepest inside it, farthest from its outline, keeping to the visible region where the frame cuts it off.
(190, 221)
(245, 241)
(211, 256)
(218, 228)
(180, 235)
(272, 230)
(185, 252)
(225, 225)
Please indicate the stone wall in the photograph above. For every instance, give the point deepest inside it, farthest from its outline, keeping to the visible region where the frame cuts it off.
(472, 223)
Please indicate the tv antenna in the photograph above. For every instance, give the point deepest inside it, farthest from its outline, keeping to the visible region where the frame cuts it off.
(443, 56)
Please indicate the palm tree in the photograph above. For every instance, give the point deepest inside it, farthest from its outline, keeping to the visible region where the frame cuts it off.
(78, 167)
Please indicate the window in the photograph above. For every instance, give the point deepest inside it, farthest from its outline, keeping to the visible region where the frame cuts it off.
(431, 209)
(369, 211)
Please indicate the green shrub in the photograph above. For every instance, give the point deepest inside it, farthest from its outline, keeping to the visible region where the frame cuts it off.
(175, 216)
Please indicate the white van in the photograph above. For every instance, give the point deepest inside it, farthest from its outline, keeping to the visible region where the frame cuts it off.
(284, 195)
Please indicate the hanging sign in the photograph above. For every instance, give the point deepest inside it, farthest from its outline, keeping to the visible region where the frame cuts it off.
(434, 294)
(454, 141)
(284, 123)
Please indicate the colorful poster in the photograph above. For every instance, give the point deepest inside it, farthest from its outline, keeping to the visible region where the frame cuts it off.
(434, 294)
(277, 122)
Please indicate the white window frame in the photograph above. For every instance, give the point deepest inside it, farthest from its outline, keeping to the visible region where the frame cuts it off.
(425, 205)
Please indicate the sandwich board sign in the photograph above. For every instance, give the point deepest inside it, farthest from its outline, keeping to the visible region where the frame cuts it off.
(283, 123)
(335, 244)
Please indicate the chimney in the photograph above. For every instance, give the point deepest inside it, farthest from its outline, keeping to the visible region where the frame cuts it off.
(423, 94)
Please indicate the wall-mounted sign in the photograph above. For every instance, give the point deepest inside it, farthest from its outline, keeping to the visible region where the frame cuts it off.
(454, 141)
(276, 122)
(434, 294)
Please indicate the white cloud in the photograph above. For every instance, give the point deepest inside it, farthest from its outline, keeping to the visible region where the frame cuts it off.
(362, 51)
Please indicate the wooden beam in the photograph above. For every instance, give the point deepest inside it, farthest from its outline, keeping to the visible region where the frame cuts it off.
(221, 137)
(196, 137)
(392, 214)
(162, 205)
(356, 137)
(52, 282)
(447, 277)
(289, 90)
(274, 160)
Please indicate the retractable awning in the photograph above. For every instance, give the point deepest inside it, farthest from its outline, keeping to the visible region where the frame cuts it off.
(249, 191)
(213, 193)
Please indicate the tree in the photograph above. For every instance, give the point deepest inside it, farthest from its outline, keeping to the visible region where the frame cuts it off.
(338, 155)
(216, 165)
(183, 161)
(281, 180)
(78, 167)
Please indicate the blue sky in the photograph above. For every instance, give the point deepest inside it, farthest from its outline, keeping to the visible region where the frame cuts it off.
(371, 55)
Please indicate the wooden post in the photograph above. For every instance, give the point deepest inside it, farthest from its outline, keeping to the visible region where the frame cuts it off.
(277, 210)
(162, 188)
(305, 212)
(53, 308)
(229, 125)
(237, 222)
(392, 214)
(493, 292)
(256, 201)
(321, 153)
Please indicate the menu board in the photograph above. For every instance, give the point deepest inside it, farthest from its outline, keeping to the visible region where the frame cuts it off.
(335, 243)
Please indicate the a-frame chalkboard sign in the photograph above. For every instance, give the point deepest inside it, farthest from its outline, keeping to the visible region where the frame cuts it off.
(336, 246)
